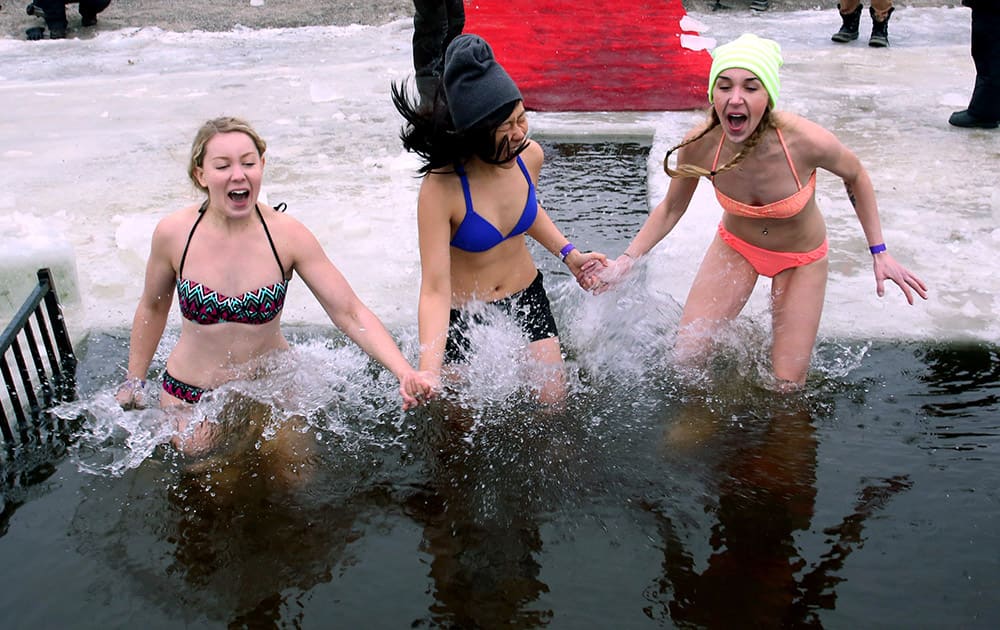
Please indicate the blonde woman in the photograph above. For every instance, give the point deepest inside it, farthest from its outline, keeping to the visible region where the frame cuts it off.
(230, 259)
(762, 164)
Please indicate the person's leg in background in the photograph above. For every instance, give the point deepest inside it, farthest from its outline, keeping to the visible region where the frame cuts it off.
(880, 10)
(850, 14)
(54, 13)
(89, 10)
(430, 25)
(985, 102)
(435, 24)
(456, 24)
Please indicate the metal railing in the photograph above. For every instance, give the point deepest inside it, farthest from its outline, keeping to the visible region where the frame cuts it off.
(43, 376)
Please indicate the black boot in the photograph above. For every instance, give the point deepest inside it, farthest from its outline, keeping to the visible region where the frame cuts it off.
(849, 31)
(89, 10)
(880, 30)
(54, 16)
(31, 9)
(965, 119)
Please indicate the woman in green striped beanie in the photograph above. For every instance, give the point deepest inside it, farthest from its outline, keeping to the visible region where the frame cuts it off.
(762, 164)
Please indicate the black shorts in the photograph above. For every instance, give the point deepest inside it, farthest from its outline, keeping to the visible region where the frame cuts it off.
(530, 308)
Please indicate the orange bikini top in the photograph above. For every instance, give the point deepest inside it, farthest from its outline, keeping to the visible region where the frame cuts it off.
(781, 209)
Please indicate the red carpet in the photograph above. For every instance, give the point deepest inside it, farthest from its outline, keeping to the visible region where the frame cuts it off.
(594, 55)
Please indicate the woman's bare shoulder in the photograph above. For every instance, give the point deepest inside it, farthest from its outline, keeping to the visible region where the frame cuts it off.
(533, 151)
(439, 185)
(287, 230)
(178, 221)
(805, 136)
(533, 156)
(796, 125)
(171, 232)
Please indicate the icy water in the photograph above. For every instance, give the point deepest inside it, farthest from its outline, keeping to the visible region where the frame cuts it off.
(652, 500)
(871, 499)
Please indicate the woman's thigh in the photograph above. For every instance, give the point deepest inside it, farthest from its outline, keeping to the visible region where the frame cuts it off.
(797, 304)
(721, 288)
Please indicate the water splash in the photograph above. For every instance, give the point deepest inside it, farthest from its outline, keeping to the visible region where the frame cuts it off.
(322, 388)
(326, 393)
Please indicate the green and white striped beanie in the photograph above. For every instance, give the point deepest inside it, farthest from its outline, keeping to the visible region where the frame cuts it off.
(756, 54)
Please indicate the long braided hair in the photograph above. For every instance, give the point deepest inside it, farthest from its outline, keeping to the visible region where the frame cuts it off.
(767, 122)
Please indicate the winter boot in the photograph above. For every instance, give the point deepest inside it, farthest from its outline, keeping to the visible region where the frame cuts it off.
(880, 30)
(89, 11)
(849, 31)
(57, 25)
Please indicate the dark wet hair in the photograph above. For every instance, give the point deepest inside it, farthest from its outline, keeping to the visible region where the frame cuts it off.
(430, 133)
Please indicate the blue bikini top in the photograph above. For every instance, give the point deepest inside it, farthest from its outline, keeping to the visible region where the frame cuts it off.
(476, 234)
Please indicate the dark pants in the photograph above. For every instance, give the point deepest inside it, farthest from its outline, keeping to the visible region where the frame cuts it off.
(55, 11)
(435, 24)
(985, 103)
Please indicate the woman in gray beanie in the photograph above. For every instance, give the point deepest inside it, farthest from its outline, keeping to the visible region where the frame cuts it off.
(476, 203)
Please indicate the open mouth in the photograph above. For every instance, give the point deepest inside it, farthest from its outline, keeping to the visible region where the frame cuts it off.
(239, 195)
(736, 122)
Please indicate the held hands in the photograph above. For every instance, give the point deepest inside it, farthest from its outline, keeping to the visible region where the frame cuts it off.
(418, 387)
(585, 267)
(610, 275)
(886, 267)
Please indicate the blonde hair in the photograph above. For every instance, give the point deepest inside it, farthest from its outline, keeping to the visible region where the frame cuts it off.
(767, 121)
(223, 124)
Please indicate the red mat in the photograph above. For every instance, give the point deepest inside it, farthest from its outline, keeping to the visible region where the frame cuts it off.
(594, 55)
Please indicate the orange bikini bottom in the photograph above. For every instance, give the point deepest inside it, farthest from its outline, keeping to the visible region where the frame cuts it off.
(767, 262)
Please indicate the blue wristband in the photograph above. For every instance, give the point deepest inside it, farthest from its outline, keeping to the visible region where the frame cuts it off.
(564, 252)
(877, 249)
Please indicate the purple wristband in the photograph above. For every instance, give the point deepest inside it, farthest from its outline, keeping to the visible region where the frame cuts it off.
(564, 252)
(877, 249)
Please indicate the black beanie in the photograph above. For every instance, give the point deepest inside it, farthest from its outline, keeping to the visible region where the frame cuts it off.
(476, 85)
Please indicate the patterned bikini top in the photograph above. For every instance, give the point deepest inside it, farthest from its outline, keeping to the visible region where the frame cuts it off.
(203, 305)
